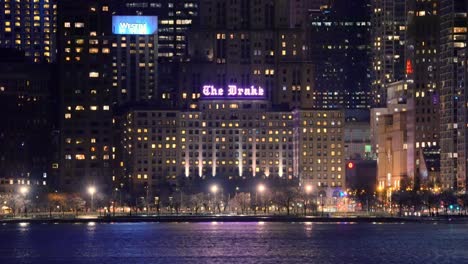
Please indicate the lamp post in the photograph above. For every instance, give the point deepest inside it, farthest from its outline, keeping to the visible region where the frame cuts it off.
(214, 191)
(308, 191)
(321, 202)
(92, 191)
(261, 188)
(24, 191)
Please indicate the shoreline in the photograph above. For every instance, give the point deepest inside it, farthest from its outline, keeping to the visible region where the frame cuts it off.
(232, 219)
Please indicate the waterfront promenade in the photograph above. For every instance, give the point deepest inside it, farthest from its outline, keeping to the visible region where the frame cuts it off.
(232, 218)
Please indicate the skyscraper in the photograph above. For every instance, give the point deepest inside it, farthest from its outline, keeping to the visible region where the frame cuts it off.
(453, 100)
(87, 93)
(422, 72)
(174, 19)
(135, 61)
(27, 131)
(29, 26)
(388, 46)
(106, 62)
(248, 43)
(341, 54)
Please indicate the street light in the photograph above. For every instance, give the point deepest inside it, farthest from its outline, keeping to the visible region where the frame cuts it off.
(92, 191)
(24, 190)
(321, 202)
(260, 188)
(214, 190)
(308, 190)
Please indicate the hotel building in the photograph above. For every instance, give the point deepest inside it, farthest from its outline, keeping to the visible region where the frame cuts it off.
(233, 139)
(106, 62)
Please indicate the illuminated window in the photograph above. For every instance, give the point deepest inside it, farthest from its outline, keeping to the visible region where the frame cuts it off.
(80, 156)
(94, 74)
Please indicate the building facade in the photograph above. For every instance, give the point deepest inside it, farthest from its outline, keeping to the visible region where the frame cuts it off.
(29, 26)
(231, 140)
(340, 50)
(392, 139)
(87, 94)
(453, 115)
(247, 43)
(422, 75)
(28, 138)
(107, 62)
(388, 20)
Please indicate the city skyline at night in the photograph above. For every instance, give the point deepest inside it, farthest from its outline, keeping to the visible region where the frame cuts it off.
(233, 131)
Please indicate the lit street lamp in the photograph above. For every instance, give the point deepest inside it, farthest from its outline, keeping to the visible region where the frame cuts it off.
(214, 189)
(308, 190)
(260, 188)
(24, 191)
(321, 202)
(92, 191)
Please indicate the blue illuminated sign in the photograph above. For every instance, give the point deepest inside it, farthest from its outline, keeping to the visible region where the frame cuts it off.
(134, 25)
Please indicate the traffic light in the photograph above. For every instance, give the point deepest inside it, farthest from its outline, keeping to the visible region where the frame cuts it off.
(350, 165)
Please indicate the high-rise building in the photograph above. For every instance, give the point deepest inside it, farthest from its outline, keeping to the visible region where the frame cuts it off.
(247, 43)
(87, 94)
(422, 72)
(388, 46)
(174, 20)
(106, 62)
(29, 26)
(341, 54)
(453, 100)
(135, 60)
(28, 140)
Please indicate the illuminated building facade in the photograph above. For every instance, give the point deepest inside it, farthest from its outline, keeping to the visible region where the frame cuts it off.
(422, 75)
(393, 139)
(29, 26)
(174, 20)
(341, 53)
(232, 139)
(87, 94)
(453, 102)
(247, 43)
(388, 36)
(135, 60)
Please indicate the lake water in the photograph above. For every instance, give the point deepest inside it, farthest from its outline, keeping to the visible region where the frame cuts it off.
(233, 243)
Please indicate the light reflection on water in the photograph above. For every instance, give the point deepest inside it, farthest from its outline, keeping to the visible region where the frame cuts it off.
(218, 242)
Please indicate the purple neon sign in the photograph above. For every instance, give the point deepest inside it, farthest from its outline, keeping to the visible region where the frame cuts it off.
(233, 92)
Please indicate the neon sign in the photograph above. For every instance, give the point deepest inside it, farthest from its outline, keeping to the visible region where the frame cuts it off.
(233, 92)
(134, 25)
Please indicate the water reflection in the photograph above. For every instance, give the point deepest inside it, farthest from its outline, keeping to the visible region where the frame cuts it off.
(256, 242)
